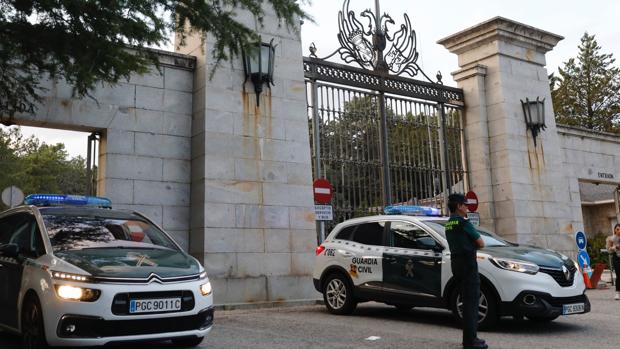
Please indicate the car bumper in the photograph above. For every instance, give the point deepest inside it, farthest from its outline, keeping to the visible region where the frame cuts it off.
(540, 304)
(100, 322)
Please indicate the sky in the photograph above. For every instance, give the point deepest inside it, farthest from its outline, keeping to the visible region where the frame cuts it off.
(434, 20)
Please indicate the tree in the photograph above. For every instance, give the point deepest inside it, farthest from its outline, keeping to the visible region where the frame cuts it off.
(87, 42)
(586, 93)
(37, 167)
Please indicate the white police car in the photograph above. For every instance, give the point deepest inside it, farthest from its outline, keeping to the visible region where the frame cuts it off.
(73, 273)
(403, 260)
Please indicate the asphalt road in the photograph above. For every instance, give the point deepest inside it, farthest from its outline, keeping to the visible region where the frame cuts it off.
(379, 326)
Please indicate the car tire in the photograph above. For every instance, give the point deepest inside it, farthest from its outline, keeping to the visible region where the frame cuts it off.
(488, 305)
(542, 318)
(33, 330)
(188, 342)
(338, 295)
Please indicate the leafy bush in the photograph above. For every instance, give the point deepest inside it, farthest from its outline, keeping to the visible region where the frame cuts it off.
(595, 244)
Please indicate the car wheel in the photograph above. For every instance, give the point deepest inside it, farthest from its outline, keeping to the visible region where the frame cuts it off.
(542, 318)
(33, 331)
(487, 308)
(187, 342)
(338, 295)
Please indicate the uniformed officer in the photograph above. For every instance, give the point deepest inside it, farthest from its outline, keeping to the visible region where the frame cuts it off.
(464, 240)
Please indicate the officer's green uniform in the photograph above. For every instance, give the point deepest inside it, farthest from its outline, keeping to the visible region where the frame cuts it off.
(462, 236)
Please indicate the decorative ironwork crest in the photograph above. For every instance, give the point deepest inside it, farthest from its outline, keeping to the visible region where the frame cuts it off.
(365, 40)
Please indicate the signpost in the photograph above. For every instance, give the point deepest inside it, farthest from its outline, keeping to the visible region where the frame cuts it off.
(474, 218)
(12, 196)
(583, 259)
(323, 194)
(472, 201)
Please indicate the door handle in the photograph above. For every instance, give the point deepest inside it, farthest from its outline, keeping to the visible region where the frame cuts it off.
(347, 254)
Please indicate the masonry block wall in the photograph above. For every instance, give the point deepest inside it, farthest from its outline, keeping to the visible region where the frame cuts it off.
(145, 123)
(523, 186)
(252, 220)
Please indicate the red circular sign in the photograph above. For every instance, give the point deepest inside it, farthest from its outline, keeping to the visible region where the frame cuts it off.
(322, 191)
(472, 201)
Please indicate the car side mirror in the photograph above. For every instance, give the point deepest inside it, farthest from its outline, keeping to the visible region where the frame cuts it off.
(429, 243)
(9, 250)
(438, 248)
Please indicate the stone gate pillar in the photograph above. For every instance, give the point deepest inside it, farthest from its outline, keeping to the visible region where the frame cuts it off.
(523, 190)
(252, 211)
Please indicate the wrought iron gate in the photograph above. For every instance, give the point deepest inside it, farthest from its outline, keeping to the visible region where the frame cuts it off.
(380, 138)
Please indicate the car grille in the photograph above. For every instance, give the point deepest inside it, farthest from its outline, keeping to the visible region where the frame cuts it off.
(120, 304)
(560, 301)
(94, 327)
(558, 275)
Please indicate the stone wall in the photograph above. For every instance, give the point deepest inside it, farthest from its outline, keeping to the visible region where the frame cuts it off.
(144, 161)
(521, 185)
(252, 221)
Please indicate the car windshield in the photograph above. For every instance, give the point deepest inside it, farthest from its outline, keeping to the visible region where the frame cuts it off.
(490, 239)
(81, 230)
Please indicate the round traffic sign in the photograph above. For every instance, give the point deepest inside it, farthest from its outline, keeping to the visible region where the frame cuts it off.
(583, 259)
(581, 240)
(12, 196)
(322, 191)
(472, 201)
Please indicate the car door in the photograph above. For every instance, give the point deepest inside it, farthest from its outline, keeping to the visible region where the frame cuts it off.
(360, 252)
(22, 230)
(412, 262)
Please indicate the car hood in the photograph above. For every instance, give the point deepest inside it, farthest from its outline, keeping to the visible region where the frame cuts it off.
(541, 257)
(131, 263)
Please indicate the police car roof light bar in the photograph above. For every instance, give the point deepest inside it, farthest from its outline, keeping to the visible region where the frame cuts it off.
(67, 200)
(411, 210)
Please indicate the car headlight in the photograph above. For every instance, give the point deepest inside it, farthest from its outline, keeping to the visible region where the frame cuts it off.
(205, 289)
(74, 293)
(59, 275)
(515, 265)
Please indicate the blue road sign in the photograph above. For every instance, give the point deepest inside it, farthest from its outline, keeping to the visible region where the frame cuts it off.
(583, 258)
(581, 240)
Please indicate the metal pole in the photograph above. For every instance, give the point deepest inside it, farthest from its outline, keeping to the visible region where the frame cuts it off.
(385, 156)
(443, 156)
(89, 171)
(320, 225)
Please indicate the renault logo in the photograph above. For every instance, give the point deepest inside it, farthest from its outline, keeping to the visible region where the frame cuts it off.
(566, 272)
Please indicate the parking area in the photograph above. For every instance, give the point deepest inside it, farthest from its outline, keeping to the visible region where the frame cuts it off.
(379, 326)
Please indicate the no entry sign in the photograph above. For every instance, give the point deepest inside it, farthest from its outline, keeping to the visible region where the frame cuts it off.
(472, 201)
(322, 191)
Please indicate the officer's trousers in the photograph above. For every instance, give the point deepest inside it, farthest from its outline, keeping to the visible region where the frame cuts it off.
(465, 271)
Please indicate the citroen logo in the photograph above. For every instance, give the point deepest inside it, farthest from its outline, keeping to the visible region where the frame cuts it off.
(566, 272)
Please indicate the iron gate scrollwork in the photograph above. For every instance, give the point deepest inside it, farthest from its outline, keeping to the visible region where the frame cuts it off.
(379, 138)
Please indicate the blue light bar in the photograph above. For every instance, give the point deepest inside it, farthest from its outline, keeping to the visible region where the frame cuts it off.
(68, 200)
(411, 210)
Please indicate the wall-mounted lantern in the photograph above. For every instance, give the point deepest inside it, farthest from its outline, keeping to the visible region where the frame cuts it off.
(534, 112)
(258, 66)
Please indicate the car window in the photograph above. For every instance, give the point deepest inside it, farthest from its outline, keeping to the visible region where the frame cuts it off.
(369, 233)
(73, 231)
(346, 233)
(22, 230)
(407, 235)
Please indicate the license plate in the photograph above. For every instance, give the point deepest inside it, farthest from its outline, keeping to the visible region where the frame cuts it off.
(137, 306)
(573, 308)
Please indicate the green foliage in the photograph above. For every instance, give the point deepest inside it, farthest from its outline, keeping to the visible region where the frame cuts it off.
(586, 93)
(86, 42)
(595, 244)
(37, 167)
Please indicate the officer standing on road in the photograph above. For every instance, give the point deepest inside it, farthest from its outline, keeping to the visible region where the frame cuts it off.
(463, 241)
